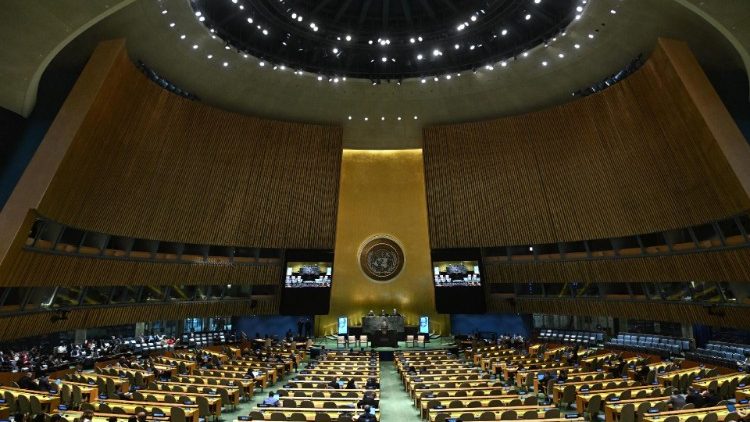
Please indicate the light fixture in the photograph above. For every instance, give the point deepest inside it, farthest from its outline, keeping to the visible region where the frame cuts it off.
(528, 16)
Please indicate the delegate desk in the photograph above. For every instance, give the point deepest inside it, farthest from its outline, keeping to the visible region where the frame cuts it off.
(684, 414)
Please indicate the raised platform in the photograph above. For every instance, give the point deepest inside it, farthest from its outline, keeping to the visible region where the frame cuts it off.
(386, 353)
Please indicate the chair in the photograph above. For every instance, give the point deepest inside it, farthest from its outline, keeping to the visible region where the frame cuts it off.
(168, 398)
(119, 410)
(529, 414)
(36, 405)
(204, 410)
(568, 396)
(340, 341)
(595, 404)
(322, 417)
(732, 416)
(530, 400)
(296, 416)
(363, 340)
(511, 415)
(177, 414)
(409, 340)
(711, 417)
(487, 416)
(104, 408)
(24, 406)
(552, 414)
(421, 339)
(455, 404)
(474, 403)
(467, 417)
(10, 401)
(627, 413)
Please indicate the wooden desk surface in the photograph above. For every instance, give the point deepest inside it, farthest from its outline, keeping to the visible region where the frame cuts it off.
(683, 414)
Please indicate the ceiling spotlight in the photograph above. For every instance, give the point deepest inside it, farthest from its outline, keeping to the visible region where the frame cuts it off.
(577, 46)
(415, 117)
(474, 18)
(335, 50)
(382, 118)
(348, 38)
(261, 64)
(163, 12)
(294, 16)
(249, 20)
(384, 59)
(460, 27)
(544, 63)
(504, 32)
(412, 40)
(195, 46)
(561, 55)
(613, 11)
(335, 80)
(437, 52)
(456, 46)
(537, 1)
(320, 78)
(183, 36)
(525, 54)
(299, 18)
(503, 64)
(225, 64)
(579, 9)
(210, 56)
(447, 77)
(198, 13)
(420, 57)
(419, 39)
(366, 119)
(350, 117)
(202, 18)
(265, 32)
(436, 79)
(591, 36)
(424, 80)
(528, 16)
(171, 24)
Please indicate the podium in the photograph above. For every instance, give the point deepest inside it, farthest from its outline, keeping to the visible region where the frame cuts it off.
(371, 325)
(384, 331)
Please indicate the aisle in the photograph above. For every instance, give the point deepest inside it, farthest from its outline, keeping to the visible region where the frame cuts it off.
(395, 404)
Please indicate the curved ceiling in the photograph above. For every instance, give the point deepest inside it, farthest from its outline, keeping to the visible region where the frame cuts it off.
(595, 46)
(384, 39)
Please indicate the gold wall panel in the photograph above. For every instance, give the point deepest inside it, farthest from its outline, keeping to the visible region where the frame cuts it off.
(382, 192)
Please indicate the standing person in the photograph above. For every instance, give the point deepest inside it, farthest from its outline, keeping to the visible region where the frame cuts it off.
(300, 325)
(308, 327)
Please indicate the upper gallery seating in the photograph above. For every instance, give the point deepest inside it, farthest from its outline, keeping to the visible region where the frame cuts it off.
(588, 338)
(651, 342)
(721, 352)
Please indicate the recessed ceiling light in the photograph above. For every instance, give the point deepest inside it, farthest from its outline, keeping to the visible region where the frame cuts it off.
(163, 12)
(544, 63)
(225, 64)
(577, 46)
(528, 16)
(415, 117)
(195, 46)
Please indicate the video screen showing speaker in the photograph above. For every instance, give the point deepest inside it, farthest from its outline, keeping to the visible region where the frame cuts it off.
(457, 276)
(306, 281)
(302, 275)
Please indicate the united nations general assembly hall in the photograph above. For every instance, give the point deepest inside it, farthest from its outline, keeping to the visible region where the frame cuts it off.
(374, 210)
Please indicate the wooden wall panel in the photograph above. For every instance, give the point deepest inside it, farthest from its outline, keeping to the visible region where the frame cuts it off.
(146, 163)
(33, 324)
(636, 158)
(29, 268)
(725, 265)
(656, 311)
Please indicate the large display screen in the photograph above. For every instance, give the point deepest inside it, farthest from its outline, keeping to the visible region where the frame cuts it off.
(343, 325)
(424, 325)
(308, 274)
(456, 274)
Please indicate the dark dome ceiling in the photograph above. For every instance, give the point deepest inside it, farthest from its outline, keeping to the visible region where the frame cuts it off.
(385, 39)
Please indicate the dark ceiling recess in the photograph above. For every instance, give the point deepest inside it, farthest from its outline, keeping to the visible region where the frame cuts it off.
(385, 39)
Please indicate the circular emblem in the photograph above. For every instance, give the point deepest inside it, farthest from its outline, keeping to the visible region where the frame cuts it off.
(381, 258)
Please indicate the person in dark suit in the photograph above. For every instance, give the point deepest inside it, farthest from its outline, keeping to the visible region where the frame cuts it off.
(308, 327)
(300, 326)
(350, 385)
(368, 400)
(695, 397)
(334, 384)
(366, 416)
(27, 382)
(44, 384)
(372, 383)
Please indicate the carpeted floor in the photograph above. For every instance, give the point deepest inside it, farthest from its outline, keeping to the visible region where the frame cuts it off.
(395, 403)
